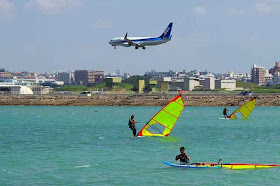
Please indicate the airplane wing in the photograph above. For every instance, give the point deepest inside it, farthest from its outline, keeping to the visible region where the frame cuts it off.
(131, 42)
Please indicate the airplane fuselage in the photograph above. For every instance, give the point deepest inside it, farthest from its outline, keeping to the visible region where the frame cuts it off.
(141, 41)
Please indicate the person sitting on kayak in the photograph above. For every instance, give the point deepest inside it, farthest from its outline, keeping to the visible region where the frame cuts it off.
(225, 112)
(131, 124)
(184, 158)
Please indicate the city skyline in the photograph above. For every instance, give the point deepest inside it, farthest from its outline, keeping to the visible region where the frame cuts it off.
(45, 35)
(159, 81)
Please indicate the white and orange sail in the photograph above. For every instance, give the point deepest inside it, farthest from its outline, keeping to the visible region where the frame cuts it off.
(245, 110)
(164, 121)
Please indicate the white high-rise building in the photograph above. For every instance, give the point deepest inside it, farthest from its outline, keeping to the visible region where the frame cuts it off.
(258, 75)
(66, 77)
(276, 78)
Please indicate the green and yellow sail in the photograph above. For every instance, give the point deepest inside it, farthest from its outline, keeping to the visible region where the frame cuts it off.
(163, 122)
(245, 109)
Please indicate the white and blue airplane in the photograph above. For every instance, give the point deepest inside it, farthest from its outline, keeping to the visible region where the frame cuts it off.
(142, 41)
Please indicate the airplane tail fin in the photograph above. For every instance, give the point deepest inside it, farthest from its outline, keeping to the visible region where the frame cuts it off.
(167, 31)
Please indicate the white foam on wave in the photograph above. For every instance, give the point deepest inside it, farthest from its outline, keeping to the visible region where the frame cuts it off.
(101, 138)
(83, 166)
(224, 118)
(4, 170)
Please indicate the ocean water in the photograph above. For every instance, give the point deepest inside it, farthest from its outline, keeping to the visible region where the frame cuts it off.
(94, 146)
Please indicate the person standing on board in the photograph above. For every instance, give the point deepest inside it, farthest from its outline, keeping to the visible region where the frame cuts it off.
(225, 112)
(131, 124)
(184, 158)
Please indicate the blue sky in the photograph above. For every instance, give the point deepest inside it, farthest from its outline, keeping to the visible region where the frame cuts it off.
(48, 35)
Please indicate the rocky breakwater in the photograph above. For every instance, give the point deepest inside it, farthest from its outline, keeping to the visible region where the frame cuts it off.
(135, 100)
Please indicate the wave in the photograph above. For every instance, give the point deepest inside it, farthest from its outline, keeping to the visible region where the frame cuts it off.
(82, 166)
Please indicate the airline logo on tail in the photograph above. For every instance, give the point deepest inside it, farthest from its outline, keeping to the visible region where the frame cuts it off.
(167, 31)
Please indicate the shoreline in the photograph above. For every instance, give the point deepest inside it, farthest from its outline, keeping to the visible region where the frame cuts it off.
(134, 100)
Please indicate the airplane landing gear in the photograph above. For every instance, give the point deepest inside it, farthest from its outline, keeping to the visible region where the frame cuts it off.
(144, 48)
(115, 47)
(136, 47)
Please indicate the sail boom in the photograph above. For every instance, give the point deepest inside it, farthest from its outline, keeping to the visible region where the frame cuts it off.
(166, 117)
(246, 109)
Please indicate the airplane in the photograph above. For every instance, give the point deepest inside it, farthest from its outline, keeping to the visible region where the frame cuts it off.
(142, 41)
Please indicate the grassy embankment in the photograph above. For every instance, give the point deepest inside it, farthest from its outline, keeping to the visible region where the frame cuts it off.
(258, 89)
(79, 88)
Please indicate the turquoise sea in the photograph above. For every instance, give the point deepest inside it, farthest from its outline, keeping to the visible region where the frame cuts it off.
(94, 146)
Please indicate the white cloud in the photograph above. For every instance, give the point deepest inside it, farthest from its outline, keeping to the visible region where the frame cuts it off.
(200, 10)
(267, 7)
(52, 6)
(7, 10)
(103, 24)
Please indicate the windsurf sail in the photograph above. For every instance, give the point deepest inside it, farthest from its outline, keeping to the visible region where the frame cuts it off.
(245, 109)
(163, 122)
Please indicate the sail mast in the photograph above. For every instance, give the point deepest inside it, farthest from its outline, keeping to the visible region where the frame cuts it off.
(165, 119)
(245, 109)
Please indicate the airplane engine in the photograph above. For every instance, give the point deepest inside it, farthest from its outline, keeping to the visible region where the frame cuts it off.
(126, 44)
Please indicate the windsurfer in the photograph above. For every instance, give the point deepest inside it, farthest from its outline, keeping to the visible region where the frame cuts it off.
(184, 158)
(225, 112)
(131, 124)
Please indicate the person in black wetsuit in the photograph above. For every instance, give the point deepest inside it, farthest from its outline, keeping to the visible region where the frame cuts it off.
(225, 112)
(184, 158)
(131, 124)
